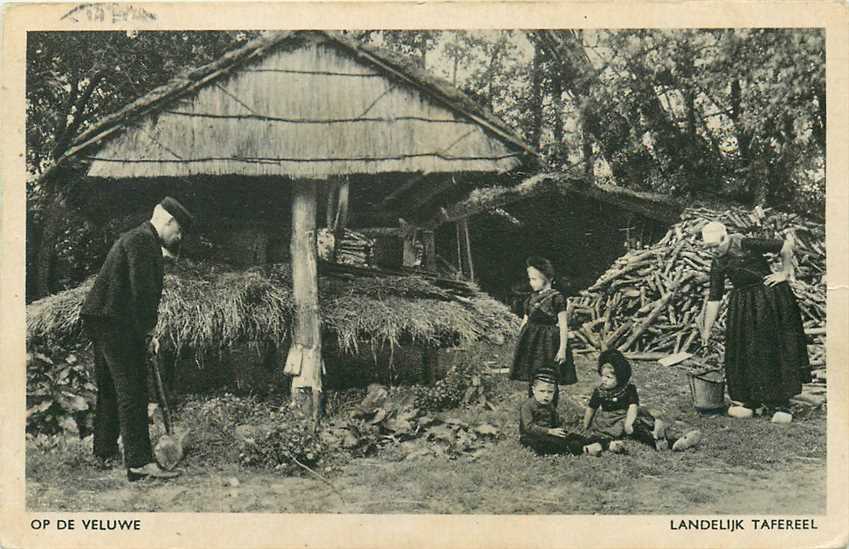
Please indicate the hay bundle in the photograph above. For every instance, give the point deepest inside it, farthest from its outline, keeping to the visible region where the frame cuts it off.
(207, 308)
(651, 300)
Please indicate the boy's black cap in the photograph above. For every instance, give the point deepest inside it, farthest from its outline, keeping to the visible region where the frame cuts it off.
(180, 213)
(547, 374)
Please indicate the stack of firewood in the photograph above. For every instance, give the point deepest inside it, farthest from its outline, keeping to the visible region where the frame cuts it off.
(650, 302)
(352, 249)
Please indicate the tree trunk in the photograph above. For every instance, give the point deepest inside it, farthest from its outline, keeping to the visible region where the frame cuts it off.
(52, 222)
(760, 174)
(304, 361)
(744, 139)
(557, 102)
(535, 133)
(820, 127)
(454, 73)
(691, 113)
(587, 153)
(579, 76)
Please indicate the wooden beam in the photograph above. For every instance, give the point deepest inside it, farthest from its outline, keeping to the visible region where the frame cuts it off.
(402, 189)
(650, 205)
(418, 201)
(498, 197)
(447, 266)
(304, 362)
(380, 231)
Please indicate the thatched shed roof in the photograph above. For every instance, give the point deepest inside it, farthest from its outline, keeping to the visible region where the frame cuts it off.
(658, 207)
(303, 104)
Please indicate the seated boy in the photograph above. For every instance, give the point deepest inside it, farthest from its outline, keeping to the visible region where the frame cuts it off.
(540, 428)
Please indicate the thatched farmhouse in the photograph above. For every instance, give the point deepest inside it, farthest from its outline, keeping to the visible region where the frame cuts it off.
(295, 137)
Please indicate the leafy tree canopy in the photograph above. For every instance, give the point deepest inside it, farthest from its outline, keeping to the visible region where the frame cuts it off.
(734, 113)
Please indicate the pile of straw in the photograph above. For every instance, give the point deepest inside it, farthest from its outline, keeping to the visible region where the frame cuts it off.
(208, 308)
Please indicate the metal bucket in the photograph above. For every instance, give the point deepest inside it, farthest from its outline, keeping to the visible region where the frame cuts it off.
(707, 390)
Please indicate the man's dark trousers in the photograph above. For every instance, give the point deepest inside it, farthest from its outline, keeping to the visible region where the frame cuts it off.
(121, 375)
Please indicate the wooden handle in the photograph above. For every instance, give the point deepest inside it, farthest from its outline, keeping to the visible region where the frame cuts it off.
(163, 400)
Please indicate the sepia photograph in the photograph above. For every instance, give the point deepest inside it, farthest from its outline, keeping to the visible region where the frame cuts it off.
(420, 271)
(398, 271)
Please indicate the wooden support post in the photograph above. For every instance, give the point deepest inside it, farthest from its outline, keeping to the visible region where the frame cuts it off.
(408, 235)
(340, 220)
(430, 360)
(330, 213)
(304, 360)
(464, 249)
(459, 238)
(340, 216)
(464, 226)
(429, 241)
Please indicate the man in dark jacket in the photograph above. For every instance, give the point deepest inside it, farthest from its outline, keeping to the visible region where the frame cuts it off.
(120, 314)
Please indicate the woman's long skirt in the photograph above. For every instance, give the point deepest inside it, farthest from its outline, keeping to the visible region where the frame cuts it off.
(766, 354)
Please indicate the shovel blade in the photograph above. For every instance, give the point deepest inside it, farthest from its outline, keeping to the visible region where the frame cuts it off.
(168, 452)
(674, 359)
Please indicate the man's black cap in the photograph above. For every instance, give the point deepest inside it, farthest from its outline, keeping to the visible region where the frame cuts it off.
(180, 213)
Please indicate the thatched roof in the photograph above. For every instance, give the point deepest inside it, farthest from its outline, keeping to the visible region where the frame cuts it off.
(302, 104)
(655, 206)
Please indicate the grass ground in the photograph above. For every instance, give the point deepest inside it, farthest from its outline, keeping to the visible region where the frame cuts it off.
(742, 466)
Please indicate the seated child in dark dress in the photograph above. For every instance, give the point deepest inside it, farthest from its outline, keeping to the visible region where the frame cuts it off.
(540, 427)
(615, 413)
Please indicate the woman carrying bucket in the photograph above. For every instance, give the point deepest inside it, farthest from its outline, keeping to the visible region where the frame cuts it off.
(766, 355)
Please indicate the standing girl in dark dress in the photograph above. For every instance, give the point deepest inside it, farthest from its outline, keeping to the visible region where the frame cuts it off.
(543, 339)
(766, 355)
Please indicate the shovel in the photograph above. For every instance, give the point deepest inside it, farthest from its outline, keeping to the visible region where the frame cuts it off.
(701, 352)
(697, 358)
(169, 449)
